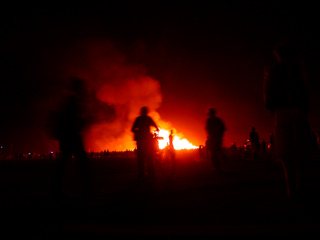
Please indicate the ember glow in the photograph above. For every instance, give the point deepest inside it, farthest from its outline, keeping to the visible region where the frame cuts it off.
(178, 143)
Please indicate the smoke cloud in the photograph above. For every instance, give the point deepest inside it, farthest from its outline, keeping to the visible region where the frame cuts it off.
(127, 96)
(123, 86)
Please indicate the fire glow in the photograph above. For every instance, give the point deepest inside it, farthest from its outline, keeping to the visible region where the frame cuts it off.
(178, 143)
(125, 88)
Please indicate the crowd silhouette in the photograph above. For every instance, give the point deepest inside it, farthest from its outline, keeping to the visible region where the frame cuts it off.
(285, 96)
(103, 171)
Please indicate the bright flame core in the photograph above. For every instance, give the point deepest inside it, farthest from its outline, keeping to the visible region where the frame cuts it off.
(178, 143)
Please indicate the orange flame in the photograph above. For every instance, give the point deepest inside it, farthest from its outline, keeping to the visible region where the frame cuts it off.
(178, 142)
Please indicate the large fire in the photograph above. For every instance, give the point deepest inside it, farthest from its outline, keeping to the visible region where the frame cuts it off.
(178, 143)
(125, 88)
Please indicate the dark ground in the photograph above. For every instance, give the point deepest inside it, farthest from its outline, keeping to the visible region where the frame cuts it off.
(246, 199)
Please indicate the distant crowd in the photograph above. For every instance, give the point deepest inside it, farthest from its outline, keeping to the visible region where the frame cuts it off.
(262, 147)
(53, 155)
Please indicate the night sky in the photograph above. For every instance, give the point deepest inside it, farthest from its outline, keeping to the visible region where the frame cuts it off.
(203, 55)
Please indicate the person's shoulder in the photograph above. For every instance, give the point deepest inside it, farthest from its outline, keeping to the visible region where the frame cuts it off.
(220, 120)
(222, 123)
(138, 119)
(145, 118)
(210, 120)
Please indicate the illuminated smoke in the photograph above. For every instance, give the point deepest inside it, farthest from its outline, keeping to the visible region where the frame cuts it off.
(122, 85)
(127, 96)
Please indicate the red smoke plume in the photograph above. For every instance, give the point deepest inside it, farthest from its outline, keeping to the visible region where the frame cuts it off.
(124, 86)
(117, 91)
(127, 96)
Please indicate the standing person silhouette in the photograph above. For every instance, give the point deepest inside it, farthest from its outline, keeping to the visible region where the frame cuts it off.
(172, 151)
(144, 139)
(215, 129)
(254, 139)
(69, 124)
(285, 95)
(171, 140)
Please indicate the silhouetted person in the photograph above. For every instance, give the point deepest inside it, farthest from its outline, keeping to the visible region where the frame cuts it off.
(233, 147)
(271, 140)
(254, 139)
(264, 146)
(215, 130)
(201, 152)
(286, 97)
(171, 147)
(145, 142)
(155, 142)
(171, 140)
(69, 125)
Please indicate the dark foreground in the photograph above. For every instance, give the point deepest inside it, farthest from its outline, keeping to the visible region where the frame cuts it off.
(246, 199)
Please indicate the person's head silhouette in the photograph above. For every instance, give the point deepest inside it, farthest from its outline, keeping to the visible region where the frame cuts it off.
(211, 112)
(144, 111)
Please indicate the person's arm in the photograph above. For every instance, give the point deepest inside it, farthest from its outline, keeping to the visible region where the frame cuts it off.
(134, 127)
(154, 124)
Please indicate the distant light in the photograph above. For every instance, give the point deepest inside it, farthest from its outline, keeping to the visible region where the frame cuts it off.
(1, 147)
(29, 153)
(51, 152)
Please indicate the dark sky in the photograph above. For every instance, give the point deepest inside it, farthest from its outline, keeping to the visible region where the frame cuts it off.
(203, 55)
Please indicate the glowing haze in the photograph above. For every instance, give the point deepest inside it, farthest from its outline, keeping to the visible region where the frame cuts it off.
(128, 98)
(126, 87)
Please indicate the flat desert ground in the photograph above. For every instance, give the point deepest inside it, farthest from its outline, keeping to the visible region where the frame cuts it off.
(246, 198)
